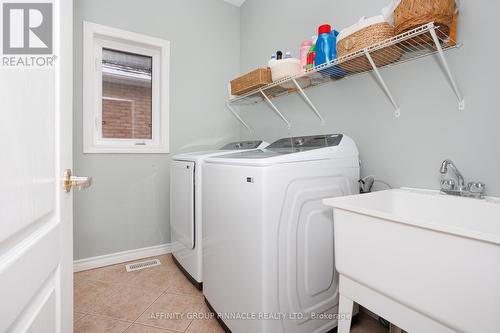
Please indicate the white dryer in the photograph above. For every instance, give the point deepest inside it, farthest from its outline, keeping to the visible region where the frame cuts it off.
(268, 256)
(186, 203)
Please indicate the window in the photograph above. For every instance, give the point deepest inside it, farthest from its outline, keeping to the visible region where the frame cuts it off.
(126, 92)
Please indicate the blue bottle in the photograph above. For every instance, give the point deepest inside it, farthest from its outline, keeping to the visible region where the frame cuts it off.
(326, 51)
(326, 45)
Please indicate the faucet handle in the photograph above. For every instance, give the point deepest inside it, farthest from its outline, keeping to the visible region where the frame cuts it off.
(476, 188)
(448, 185)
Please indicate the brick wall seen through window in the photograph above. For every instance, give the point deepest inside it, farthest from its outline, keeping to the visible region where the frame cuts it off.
(126, 111)
(126, 95)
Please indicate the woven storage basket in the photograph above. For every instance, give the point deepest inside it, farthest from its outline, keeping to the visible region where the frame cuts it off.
(364, 38)
(411, 14)
(250, 81)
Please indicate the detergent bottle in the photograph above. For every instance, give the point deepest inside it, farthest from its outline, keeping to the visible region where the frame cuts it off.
(326, 45)
(311, 54)
(304, 50)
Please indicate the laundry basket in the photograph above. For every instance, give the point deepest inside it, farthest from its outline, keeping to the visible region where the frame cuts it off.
(367, 32)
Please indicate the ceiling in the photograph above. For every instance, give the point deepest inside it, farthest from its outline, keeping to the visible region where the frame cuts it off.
(237, 3)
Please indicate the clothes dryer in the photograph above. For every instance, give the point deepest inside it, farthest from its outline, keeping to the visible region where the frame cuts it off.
(186, 203)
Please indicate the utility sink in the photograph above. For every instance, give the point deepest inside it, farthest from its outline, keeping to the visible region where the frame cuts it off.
(426, 261)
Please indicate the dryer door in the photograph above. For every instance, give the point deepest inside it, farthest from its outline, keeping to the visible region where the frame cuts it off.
(182, 204)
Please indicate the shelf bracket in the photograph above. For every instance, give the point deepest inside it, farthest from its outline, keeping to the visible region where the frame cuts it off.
(276, 109)
(444, 62)
(233, 111)
(308, 101)
(380, 79)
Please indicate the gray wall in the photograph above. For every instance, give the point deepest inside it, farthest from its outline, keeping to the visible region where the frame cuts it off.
(128, 205)
(405, 151)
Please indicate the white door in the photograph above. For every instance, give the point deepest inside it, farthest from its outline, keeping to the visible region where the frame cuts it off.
(182, 205)
(36, 232)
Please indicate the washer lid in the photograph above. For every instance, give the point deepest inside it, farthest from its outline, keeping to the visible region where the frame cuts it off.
(305, 148)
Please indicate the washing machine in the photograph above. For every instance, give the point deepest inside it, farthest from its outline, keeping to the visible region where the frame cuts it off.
(186, 203)
(268, 256)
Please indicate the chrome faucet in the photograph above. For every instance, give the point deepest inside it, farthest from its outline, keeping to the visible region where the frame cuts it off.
(449, 164)
(450, 186)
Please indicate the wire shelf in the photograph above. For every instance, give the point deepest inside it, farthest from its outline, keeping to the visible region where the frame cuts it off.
(411, 45)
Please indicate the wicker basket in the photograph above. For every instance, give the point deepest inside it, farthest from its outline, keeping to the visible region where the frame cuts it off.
(364, 38)
(411, 14)
(250, 81)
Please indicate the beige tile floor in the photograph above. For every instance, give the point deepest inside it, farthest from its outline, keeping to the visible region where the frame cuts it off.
(110, 299)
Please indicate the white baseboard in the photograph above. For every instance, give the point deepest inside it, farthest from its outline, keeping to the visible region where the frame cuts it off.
(120, 257)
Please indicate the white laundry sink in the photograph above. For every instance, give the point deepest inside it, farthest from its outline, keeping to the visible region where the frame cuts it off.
(426, 261)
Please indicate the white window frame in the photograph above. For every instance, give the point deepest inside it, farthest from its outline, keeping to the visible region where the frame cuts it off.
(95, 38)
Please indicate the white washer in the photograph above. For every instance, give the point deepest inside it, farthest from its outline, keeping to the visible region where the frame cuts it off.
(185, 206)
(267, 238)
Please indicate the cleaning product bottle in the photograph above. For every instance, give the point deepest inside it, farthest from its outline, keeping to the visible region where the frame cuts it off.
(311, 54)
(288, 55)
(304, 50)
(326, 46)
(273, 59)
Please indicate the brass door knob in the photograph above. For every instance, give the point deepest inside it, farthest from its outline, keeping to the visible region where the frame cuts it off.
(80, 182)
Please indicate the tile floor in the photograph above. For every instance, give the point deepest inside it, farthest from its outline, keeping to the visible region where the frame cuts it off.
(110, 299)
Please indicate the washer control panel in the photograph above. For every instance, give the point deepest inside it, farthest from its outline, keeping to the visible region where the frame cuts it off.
(307, 142)
(242, 145)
